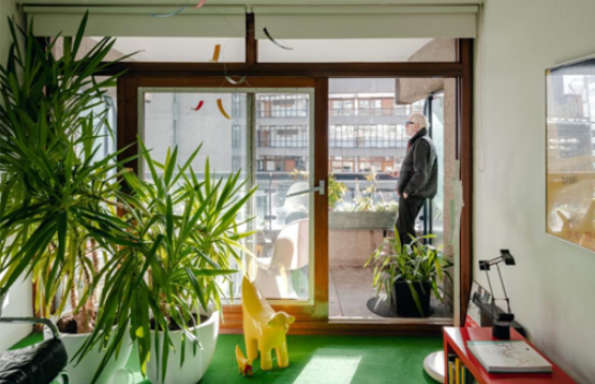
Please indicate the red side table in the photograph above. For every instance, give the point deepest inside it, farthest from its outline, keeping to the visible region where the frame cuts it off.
(455, 341)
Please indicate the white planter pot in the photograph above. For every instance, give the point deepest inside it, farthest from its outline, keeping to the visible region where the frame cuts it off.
(83, 372)
(195, 365)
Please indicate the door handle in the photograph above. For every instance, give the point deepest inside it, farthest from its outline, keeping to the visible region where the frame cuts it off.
(319, 189)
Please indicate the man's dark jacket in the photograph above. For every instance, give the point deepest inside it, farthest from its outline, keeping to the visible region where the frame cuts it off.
(419, 171)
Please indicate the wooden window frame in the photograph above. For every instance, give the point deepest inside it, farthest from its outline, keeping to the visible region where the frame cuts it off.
(313, 319)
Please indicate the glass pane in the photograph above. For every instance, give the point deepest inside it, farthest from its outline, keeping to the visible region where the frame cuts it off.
(279, 161)
(282, 167)
(358, 50)
(172, 119)
(105, 121)
(368, 142)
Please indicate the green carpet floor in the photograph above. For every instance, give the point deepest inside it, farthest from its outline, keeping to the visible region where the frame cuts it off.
(325, 360)
(333, 360)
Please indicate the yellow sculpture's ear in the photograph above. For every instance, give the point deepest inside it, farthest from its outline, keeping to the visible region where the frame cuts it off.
(280, 319)
(275, 321)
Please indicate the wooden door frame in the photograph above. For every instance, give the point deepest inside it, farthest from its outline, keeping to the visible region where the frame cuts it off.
(314, 319)
(128, 100)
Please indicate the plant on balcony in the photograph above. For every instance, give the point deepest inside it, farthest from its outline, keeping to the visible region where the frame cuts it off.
(190, 240)
(336, 191)
(366, 200)
(409, 274)
(58, 198)
(368, 210)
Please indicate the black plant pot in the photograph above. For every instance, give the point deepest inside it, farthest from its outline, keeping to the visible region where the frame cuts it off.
(406, 304)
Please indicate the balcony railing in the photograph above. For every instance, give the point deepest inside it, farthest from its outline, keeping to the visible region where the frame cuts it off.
(335, 112)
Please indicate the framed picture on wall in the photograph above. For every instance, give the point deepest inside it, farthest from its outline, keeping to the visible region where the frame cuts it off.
(570, 152)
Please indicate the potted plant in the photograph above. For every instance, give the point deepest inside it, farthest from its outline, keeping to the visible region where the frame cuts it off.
(166, 291)
(58, 216)
(409, 274)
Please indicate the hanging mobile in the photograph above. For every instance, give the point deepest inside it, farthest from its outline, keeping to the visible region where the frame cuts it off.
(198, 106)
(222, 110)
(268, 35)
(232, 81)
(216, 53)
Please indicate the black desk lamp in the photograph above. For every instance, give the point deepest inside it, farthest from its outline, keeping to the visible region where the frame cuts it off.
(501, 327)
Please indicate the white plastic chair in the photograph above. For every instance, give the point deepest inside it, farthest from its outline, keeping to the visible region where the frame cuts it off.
(290, 253)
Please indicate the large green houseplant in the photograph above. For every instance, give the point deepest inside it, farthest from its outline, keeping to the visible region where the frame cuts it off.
(408, 274)
(125, 262)
(190, 240)
(58, 198)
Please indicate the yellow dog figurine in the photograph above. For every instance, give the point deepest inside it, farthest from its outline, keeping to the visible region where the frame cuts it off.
(264, 329)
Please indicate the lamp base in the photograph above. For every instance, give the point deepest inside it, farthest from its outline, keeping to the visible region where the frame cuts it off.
(501, 330)
(434, 366)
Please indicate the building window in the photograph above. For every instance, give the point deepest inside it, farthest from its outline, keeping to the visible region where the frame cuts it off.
(367, 136)
(363, 105)
(279, 163)
(293, 105)
(373, 107)
(282, 136)
(342, 136)
(342, 107)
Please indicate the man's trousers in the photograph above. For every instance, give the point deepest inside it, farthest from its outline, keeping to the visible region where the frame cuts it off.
(408, 210)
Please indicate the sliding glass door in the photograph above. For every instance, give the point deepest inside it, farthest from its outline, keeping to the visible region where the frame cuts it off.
(266, 135)
(324, 155)
(367, 145)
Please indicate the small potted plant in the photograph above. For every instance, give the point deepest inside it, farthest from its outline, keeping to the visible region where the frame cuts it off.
(409, 274)
(166, 291)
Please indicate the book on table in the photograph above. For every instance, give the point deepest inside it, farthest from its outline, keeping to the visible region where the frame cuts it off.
(510, 356)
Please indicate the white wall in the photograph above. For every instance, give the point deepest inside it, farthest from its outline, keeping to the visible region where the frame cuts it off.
(19, 302)
(7, 8)
(553, 285)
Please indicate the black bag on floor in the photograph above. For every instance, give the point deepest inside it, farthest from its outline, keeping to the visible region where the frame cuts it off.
(37, 364)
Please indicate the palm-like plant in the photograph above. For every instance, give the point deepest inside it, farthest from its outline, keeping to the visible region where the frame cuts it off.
(415, 264)
(165, 242)
(57, 200)
(189, 236)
